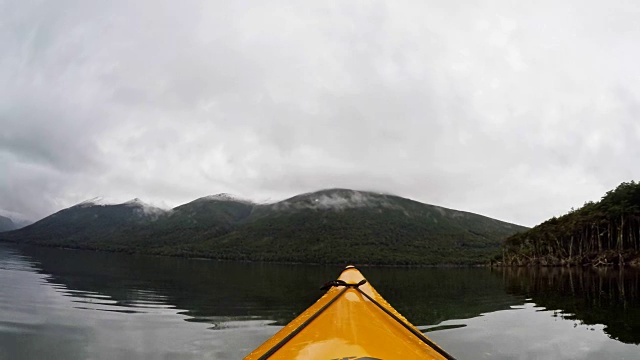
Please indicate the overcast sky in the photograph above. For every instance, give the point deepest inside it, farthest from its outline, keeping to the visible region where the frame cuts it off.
(514, 110)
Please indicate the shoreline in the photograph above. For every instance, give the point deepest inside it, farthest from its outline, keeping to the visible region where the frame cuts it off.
(204, 258)
(604, 259)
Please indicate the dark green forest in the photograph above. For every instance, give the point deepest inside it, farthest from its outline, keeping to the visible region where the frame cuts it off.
(602, 233)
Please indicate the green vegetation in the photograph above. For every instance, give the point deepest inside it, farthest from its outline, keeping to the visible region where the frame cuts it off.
(602, 233)
(331, 226)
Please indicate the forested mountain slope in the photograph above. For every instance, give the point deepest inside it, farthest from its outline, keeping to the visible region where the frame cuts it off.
(341, 226)
(329, 226)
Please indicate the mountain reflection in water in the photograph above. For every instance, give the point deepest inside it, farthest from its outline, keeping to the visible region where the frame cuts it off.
(101, 304)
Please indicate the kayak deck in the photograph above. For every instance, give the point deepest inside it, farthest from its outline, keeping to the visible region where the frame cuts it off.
(350, 321)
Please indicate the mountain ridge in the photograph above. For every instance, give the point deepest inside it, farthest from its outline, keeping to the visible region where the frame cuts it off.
(326, 226)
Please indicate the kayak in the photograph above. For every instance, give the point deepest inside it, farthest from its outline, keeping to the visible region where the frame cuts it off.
(350, 321)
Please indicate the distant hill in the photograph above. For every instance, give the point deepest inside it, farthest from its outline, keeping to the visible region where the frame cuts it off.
(6, 224)
(134, 226)
(328, 226)
(87, 223)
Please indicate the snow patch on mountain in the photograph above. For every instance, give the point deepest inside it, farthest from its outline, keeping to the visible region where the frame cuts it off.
(96, 201)
(141, 208)
(338, 200)
(225, 197)
(145, 209)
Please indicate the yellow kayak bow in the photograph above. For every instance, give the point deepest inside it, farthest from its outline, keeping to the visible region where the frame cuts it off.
(350, 321)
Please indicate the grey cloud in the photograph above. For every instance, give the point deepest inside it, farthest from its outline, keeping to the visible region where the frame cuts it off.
(511, 110)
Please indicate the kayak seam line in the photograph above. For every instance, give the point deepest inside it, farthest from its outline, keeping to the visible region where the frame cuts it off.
(418, 334)
(295, 332)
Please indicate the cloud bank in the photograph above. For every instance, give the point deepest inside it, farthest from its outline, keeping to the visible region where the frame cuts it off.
(511, 110)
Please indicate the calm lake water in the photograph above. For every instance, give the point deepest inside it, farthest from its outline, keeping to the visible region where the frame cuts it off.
(64, 304)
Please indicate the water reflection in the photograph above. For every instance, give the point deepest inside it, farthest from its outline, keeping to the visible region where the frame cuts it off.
(104, 305)
(593, 296)
(85, 312)
(203, 290)
(210, 290)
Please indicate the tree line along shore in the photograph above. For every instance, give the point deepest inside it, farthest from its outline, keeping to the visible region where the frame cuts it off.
(603, 233)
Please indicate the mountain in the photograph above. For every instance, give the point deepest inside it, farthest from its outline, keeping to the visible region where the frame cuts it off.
(134, 226)
(341, 226)
(204, 218)
(328, 226)
(88, 223)
(606, 232)
(6, 224)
